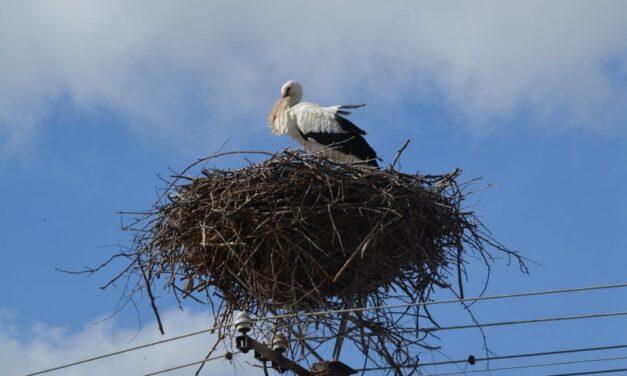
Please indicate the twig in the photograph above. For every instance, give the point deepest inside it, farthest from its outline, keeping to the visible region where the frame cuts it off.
(398, 154)
(152, 298)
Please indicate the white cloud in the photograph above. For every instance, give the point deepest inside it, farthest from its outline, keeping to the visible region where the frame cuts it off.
(191, 68)
(48, 346)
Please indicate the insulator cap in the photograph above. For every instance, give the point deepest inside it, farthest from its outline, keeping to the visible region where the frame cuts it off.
(243, 323)
(279, 342)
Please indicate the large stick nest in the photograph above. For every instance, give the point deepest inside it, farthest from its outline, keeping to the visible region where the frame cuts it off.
(298, 233)
(303, 232)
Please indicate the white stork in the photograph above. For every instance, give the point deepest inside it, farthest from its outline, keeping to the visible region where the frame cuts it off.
(320, 128)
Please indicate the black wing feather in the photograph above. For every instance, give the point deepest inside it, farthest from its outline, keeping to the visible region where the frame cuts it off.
(349, 126)
(351, 144)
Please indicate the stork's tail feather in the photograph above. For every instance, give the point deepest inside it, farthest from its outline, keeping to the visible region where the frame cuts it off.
(340, 109)
(352, 105)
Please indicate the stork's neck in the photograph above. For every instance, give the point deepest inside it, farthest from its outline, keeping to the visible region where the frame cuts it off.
(293, 101)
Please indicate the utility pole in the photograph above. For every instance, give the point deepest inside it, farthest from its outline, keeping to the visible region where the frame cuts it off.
(274, 354)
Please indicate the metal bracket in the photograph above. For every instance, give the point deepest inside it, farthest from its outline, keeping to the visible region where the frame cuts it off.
(332, 368)
(264, 353)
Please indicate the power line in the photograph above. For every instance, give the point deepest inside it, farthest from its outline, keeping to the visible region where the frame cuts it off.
(490, 358)
(437, 302)
(528, 321)
(504, 357)
(228, 355)
(592, 372)
(527, 366)
(474, 326)
(452, 373)
(433, 329)
(128, 350)
(328, 312)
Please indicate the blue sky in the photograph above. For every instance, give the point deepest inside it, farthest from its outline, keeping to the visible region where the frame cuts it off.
(97, 99)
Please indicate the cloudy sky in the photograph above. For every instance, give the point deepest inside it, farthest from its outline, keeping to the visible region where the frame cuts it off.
(97, 98)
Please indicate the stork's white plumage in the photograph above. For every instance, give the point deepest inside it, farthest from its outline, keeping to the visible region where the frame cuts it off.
(320, 128)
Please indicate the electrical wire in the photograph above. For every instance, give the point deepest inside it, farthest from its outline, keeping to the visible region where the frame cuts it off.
(227, 355)
(448, 373)
(474, 326)
(596, 372)
(528, 321)
(503, 357)
(129, 350)
(433, 329)
(437, 302)
(538, 365)
(329, 312)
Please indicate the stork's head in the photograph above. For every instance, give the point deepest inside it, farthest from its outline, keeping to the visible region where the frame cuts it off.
(293, 91)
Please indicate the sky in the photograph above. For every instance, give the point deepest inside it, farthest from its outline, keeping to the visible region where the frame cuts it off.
(98, 98)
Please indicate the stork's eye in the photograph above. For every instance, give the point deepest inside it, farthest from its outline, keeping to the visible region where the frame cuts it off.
(287, 91)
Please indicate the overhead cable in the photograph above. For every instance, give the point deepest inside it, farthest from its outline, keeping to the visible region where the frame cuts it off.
(328, 312)
(448, 301)
(537, 365)
(503, 357)
(595, 372)
(472, 326)
(128, 350)
(227, 355)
